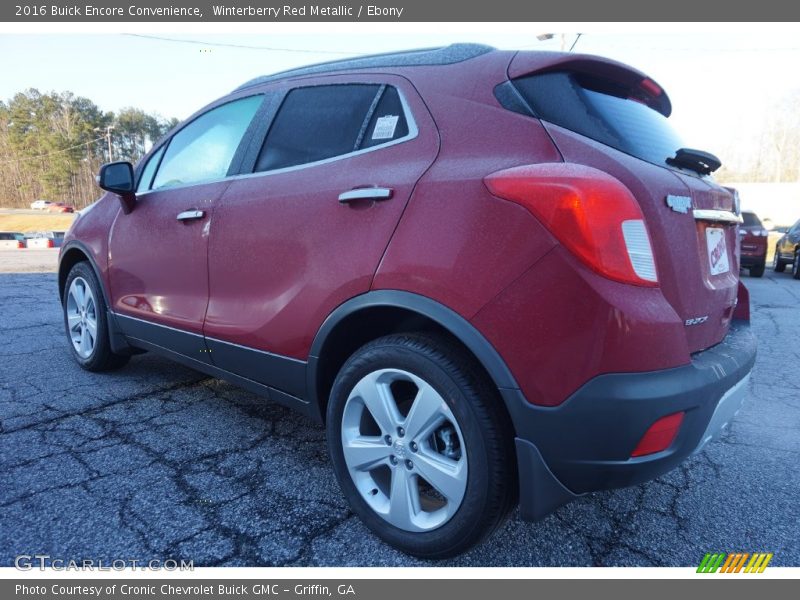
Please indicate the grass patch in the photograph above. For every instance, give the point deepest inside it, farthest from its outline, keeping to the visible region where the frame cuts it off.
(43, 222)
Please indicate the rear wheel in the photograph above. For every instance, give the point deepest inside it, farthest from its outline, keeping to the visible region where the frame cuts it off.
(420, 446)
(86, 322)
(796, 264)
(777, 264)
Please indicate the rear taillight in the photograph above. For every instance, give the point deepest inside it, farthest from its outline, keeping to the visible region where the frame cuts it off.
(20, 244)
(51, 244)
(592, 214)
(659, 436)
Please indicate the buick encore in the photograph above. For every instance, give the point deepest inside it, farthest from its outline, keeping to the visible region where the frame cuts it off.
(497, 278)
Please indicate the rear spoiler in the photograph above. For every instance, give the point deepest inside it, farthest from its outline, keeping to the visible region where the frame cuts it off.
(639, 86)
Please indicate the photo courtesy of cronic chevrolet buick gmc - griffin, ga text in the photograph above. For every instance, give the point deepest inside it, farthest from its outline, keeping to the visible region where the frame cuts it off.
(497, 278)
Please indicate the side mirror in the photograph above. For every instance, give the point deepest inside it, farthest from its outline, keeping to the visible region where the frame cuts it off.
(117, 177)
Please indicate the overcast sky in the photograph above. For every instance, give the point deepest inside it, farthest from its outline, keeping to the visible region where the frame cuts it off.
(721, 80)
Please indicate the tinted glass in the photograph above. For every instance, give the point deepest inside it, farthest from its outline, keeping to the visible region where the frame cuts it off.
(149, 170)
(315, 123)
(750, 220)
(203, 150)
(614, 120)
(388, 120)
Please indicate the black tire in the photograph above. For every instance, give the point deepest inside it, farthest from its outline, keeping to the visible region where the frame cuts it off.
(796, 264)
(491, 487)
(777, 264)
(757, 271)
(101, 357)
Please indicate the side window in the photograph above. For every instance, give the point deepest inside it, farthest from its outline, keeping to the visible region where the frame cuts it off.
(203, 150)
(149, 170)
(319, 122)
(388, 120)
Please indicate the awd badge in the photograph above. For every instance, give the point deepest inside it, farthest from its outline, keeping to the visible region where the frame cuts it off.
(680, 204)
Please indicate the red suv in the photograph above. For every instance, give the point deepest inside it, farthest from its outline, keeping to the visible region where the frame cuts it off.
(496, 277)
(753, 244)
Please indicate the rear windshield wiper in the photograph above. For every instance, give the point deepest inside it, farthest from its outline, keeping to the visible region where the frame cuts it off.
(698, 161)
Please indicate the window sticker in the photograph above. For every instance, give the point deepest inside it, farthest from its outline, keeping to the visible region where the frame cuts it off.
(384, 127)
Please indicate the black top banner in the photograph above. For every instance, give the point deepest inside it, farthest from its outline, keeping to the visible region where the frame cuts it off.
(399, 11)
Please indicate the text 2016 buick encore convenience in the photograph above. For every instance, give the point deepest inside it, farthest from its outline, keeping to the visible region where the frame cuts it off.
(496, 277)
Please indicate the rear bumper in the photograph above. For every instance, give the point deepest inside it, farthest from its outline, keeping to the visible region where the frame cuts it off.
(753, 252)
(585, 444)
(752, 260)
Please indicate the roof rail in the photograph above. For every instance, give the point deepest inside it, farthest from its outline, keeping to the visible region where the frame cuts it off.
(446, 55)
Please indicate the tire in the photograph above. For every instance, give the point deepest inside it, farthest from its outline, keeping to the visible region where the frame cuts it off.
(757, 271)
(464, 445)
(796, 264)
(777, 264)
(84, 311)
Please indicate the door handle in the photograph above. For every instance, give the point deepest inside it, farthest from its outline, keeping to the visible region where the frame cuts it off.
(189, 215)
(367, 193)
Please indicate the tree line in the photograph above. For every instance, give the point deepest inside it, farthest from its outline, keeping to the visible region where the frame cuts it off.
(52, 145)
(773, 154)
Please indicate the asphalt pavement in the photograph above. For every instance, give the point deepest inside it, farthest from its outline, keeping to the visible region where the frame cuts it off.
(156, 461)
(28, 260)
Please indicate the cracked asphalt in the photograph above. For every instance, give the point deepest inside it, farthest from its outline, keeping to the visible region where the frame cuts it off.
(156, 461)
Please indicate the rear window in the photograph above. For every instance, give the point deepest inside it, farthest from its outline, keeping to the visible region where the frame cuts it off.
(601, 111)
(750, 220)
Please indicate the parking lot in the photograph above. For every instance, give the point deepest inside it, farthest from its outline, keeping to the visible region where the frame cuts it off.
(157, 461)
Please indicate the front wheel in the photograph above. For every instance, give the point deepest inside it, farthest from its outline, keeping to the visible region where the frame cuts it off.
(420, 445)
(86, 321)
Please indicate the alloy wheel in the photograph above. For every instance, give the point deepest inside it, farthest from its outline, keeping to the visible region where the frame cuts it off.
(404, 450)
(81, 310)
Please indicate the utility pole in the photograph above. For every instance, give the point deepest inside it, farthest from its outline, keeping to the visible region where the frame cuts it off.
(108, 141)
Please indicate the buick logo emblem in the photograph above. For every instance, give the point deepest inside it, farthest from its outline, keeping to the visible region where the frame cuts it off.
(680, 204)
(399, 449)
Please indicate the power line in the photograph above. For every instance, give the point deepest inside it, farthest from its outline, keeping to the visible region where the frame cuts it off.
(617, 45)
(38, 156)
(240, 46)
